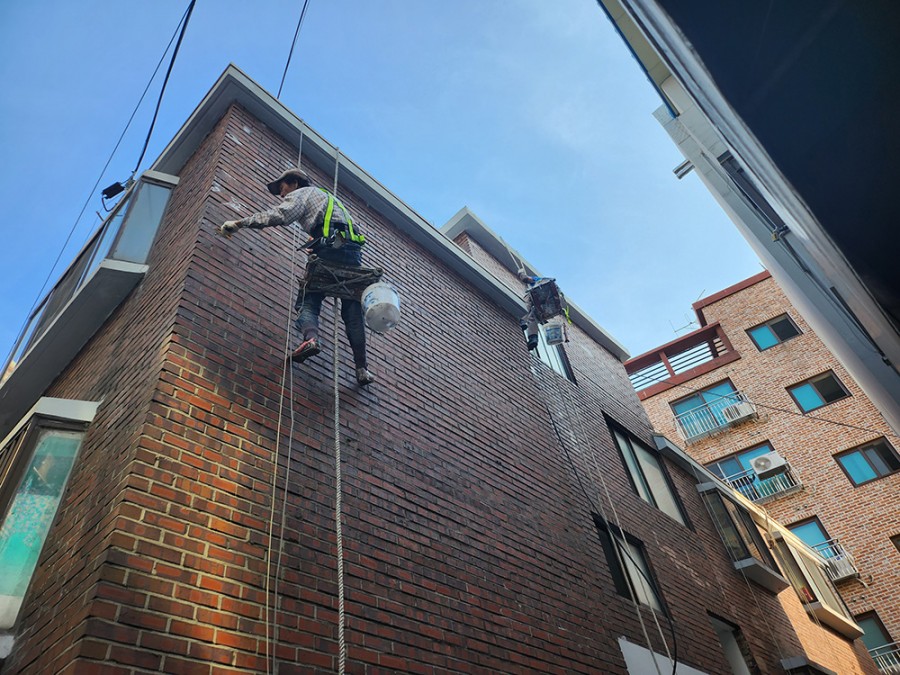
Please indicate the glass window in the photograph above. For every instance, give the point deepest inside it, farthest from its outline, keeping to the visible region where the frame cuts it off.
(810, 532)
(28, 516)
(808, 579)
(738, 531)
(648, 476)
(554, 356)
(869, 462)
(817, 392)
(874, 633)
(773, 332)
(628, 566)
(140, 226)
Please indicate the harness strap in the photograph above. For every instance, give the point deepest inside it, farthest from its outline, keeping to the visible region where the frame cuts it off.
(329, 211)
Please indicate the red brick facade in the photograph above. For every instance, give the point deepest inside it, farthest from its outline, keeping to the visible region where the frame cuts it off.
(468, 537)
(863, 518)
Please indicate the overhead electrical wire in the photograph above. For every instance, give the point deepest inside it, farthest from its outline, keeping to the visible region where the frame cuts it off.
(96, 184)
(293, 44)
(794, 412)
(184, 25)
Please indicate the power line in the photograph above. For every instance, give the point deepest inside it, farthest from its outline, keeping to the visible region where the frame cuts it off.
(184, 25)
(293, 44)
(94, 188)
(793, 412)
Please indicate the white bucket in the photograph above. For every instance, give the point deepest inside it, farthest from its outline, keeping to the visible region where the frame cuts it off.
(553, 334)
(381, 307)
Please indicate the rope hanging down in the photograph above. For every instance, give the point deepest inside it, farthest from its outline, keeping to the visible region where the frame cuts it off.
(342, 644)
(272, 619)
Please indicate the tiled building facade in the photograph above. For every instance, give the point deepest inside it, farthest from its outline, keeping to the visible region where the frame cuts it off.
(786, 393)
(484, 487)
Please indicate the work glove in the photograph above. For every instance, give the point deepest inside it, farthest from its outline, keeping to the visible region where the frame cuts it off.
(229, 227)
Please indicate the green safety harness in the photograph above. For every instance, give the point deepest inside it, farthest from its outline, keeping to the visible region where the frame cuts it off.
(329, 210)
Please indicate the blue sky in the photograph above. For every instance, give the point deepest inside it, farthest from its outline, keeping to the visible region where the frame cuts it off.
(531, 113)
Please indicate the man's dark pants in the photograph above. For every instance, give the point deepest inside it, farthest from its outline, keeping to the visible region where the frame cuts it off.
(310, 304)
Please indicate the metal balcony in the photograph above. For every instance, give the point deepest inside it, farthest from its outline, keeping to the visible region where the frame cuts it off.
(887, 658)
(714, 417)
(838, 562)
(766, 489)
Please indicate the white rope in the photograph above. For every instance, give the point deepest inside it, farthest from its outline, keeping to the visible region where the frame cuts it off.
(300, 151)
(612, 536)
(599, 472)
(337, 165)
(337, 500)
(342, 645)
(614, 539)
(272, 622)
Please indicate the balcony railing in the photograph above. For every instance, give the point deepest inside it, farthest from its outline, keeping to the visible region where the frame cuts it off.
(678, 361)
(711, 417)
(838, 561)
(887, 658)
(761, 490)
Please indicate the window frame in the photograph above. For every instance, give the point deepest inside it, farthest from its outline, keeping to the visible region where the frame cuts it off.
(873, 616)
(17, 452)
(615, 554)
(768, 324)
(826, 605)
(557, 359)
(861, 450)
(808, 521)
(616, 430)
(811, 382)
(745, 529)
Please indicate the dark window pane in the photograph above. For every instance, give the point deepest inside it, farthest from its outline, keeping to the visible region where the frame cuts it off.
(784, 329)
(830, 389)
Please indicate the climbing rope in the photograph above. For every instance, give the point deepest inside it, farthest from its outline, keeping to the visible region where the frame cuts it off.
(272, 620)
(342, 646)
(598, 507)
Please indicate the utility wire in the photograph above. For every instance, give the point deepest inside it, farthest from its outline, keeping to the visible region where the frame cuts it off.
(184, 25)
(96, 184)
(293, 44)
(793, 412)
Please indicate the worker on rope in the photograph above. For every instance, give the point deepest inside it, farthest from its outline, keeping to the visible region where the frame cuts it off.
(544, 301)
(529, 322)
(335, 239)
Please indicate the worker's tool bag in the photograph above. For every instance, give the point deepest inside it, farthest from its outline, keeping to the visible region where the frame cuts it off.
(546, 300)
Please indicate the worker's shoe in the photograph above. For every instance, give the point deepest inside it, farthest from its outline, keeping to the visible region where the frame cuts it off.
(364, 377)
(306, 349)
(532, 342)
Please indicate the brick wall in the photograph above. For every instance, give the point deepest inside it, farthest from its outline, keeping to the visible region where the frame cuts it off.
(469, 543)
(863, 518)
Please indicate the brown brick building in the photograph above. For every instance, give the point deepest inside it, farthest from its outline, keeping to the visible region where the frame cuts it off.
(503, 512)
(753, 380)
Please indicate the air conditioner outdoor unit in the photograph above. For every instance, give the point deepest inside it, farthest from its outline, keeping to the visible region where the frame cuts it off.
(738, 411)
(768, 465)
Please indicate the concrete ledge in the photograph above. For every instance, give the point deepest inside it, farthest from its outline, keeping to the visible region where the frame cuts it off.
(82, 316)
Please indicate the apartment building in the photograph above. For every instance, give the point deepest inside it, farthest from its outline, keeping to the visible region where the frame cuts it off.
(169, 491)
(781, 112)
(757, 398)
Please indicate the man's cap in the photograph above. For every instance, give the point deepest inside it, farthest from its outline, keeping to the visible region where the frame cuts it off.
(297, 174)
